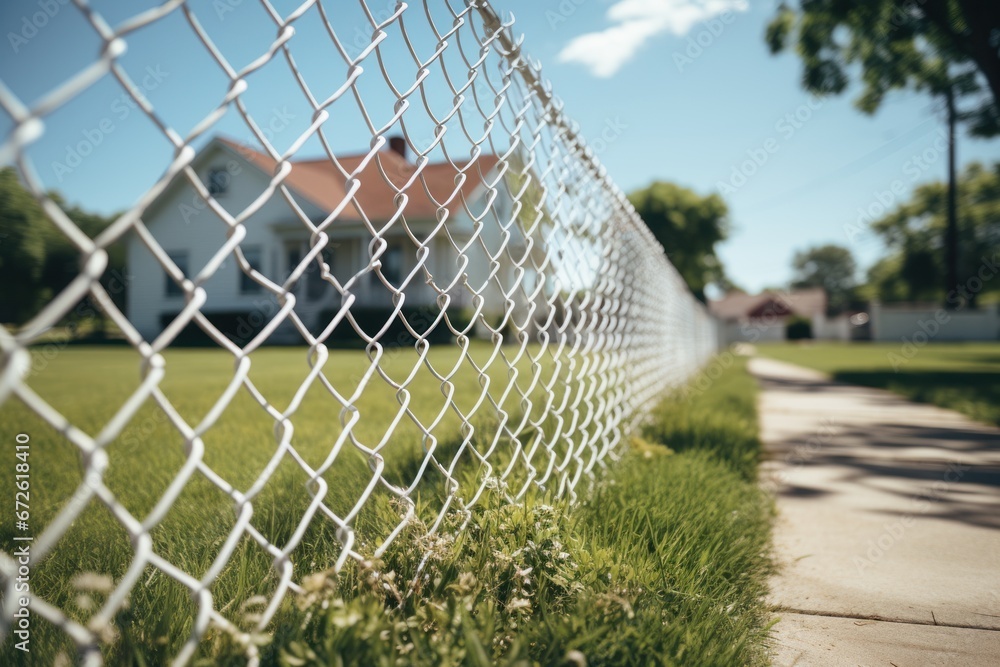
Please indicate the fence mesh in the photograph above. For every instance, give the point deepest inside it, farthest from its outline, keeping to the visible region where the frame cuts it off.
(475, 302)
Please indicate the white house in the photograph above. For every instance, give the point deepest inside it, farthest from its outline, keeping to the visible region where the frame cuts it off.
(444, 234)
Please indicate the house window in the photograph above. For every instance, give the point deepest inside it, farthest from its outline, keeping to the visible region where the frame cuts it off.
(293, 255)
(315, 285)
(181, 260)
(392, 263)
(255, 256)
(218, 182)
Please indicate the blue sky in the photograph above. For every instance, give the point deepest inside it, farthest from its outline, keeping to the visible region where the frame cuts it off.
(685, 93)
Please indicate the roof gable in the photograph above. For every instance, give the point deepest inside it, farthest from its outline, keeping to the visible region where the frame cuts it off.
(206, 156)
(770, 307)
(740, 305)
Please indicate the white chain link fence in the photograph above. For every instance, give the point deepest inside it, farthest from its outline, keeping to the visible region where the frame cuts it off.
(490, 229)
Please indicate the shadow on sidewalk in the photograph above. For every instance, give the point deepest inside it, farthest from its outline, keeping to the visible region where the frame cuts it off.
(947, 472)
(975, 393)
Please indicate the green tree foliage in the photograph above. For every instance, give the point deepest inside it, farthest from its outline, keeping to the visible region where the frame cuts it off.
(914, 270)
(22, 249)
(931, 45)
(688, 226)
(831, 267)
(63, 258)
(884, 281)
(37, 260)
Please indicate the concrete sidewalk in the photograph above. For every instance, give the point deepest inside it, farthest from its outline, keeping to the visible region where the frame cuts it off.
(888, 534)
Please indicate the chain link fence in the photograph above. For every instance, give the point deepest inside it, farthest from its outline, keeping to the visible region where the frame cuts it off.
(472, 250)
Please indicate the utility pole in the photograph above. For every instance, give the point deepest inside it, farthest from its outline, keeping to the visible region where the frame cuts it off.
(951, 232)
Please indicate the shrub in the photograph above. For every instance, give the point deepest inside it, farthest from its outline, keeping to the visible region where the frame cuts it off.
(239, 326)
(798, 328)
(371, 320)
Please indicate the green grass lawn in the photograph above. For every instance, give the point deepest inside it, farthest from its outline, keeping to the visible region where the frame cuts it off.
(89, 384)
(664, 563)
(664, 560)
(963, 377)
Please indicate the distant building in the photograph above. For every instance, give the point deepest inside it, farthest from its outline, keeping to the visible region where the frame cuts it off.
(917, 324)
(753, 318)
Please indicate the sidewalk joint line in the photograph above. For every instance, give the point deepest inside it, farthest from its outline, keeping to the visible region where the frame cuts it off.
(883, 619)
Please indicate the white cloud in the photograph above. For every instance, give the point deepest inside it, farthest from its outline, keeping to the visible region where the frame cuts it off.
(635, 22)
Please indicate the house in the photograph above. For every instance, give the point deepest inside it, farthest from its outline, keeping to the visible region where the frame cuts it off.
(399, 236)
(765, 317)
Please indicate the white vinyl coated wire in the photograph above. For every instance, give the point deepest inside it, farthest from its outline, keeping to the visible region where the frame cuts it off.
(558, 282)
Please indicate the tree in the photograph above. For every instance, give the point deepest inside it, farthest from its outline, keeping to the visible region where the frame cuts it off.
(22, 250)
(915, 269)
(885, 282)
(62, 262)
(37, 261)
(831, 267)
(688, 226)
(944, 47)
(932, 45)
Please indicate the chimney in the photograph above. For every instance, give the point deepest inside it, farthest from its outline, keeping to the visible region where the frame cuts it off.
(397, 144)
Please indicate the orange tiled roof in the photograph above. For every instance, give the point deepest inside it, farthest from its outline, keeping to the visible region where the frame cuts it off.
(324, 184)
